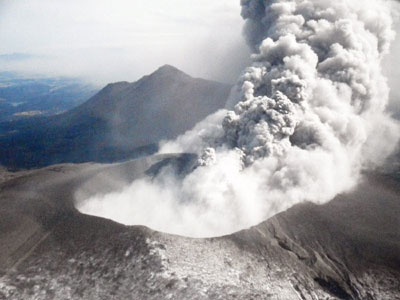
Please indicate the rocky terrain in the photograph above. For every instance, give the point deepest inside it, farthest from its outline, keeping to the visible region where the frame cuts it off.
(346, 249)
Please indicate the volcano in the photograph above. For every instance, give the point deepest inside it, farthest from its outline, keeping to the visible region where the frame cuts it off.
(283, 194)
(346, 249)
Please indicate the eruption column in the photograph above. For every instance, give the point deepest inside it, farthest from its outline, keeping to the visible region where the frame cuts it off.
(304, 119)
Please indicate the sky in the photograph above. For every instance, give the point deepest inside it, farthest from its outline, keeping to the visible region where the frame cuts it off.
(107, 41)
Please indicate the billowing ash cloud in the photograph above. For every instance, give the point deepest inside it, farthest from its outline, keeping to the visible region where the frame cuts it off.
(305, 118)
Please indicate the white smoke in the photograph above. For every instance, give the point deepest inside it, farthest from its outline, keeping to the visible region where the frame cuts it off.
(306, 117)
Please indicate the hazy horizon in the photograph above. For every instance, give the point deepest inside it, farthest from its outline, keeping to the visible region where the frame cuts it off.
(122, 41)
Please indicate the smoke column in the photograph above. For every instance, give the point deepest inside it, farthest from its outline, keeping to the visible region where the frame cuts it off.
(304, 119)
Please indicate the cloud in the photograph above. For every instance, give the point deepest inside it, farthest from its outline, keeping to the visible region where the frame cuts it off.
(390, 66)
(305, 118)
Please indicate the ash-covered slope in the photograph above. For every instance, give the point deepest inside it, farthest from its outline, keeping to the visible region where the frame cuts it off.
(346, 249)
(123, 120)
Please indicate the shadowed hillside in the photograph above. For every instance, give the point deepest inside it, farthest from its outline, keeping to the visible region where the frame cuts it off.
(124, 120)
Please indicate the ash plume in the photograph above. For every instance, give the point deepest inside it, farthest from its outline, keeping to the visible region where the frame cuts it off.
(302, 122)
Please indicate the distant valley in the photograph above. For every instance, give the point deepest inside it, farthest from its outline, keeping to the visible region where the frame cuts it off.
(22, 96)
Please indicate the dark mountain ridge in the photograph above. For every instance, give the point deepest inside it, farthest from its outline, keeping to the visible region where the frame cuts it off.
(123, 120)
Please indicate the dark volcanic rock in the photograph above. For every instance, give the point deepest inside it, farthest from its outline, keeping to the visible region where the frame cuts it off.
(346, 249)
(124, 120)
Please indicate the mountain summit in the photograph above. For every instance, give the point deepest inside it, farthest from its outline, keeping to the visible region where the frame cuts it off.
(169, 70)
(123, 120)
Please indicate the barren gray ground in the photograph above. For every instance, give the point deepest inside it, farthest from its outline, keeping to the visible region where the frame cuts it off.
(346, 249)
